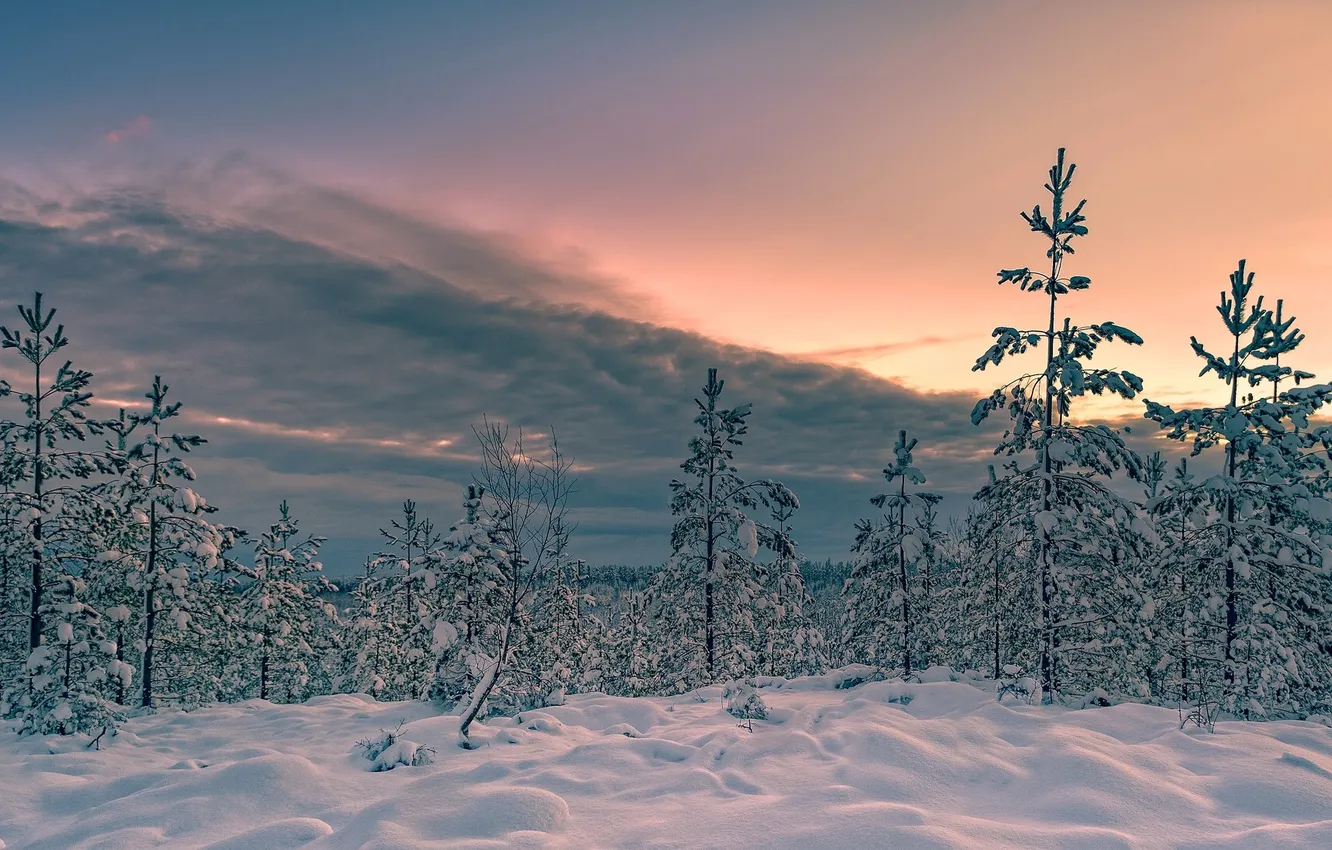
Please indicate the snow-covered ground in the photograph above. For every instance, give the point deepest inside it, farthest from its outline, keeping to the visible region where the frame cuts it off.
(831, 768)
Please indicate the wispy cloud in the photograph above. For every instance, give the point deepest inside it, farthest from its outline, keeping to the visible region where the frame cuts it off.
(870, 353)
(491, 265)
(139, 127)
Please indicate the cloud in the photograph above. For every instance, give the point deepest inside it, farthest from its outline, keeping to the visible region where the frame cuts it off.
(348, 383)
(489, 265)
(870, 353)
(141, 127)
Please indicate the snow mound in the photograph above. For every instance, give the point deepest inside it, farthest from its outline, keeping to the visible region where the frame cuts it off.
(292, 832)
(844, 760)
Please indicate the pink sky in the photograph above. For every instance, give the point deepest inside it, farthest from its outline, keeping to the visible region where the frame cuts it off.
(838, 181)
(803, 190)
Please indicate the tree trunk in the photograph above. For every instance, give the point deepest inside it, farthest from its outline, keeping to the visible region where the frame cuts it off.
(483, 688)
(35, 611)
(69, 644)
(150, 607)
(1183, 611)
(998, 668)
(263, 670)
(902, 576)
(1232, 602)
(120, 656)
(408, 580)
(708, 602)
(1047, 662)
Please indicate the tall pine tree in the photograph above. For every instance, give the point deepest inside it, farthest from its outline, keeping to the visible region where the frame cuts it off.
(1076, 521)
(1257, 638)
(705, 599)
(282, 610)
(886, 593)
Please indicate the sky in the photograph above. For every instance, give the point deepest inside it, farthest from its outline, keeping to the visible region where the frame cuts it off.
(344, 232)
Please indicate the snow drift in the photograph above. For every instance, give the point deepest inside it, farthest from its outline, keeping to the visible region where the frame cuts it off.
(879, 764)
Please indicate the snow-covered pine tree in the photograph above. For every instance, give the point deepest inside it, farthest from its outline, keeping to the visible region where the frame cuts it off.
(930, 581)
(104, 571)
(110, 532)
(467, 626)
(14, 613)
(213, 664)
(633, 659)
(561, 657)
(1179, 508)
(882, 621)
(590, 627)
(66, 693)
(171, 548)
(866, 629)
(1078, 522)
(408, 602)
(824, 582)
(368, 646)
(704, 600)
(793, 645)
(108, 552)
(958, 644)
(326, 642)
(1156, 577)
(1259, 632)
(281, 609)
(1309, 473)
(1154, 472)
(992, 601)
(44, 467)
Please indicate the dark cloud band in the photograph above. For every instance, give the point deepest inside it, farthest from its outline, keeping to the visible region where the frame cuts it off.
(348, 383)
